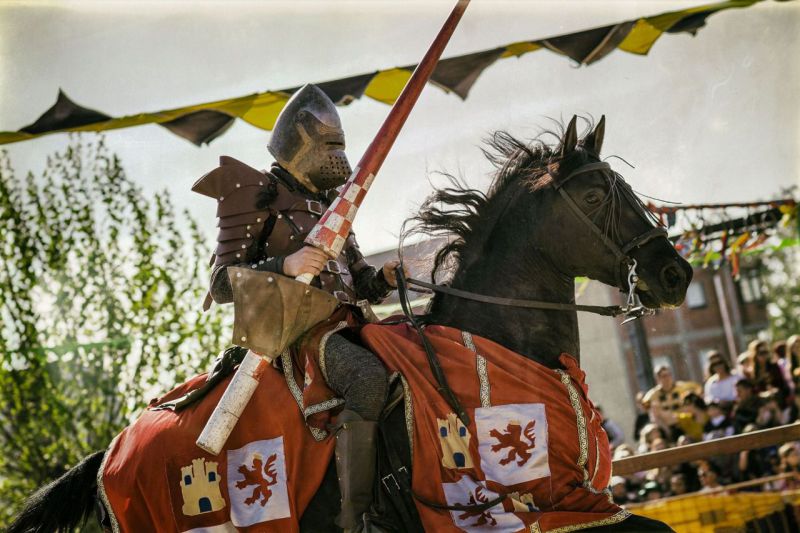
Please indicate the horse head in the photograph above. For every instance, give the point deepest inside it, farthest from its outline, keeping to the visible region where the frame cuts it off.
(587, 221)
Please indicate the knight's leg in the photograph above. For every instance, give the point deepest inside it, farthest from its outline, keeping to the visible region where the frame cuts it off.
(354, 373)
(359, 377)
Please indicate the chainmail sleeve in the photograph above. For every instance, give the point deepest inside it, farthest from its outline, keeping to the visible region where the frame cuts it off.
(369, 283)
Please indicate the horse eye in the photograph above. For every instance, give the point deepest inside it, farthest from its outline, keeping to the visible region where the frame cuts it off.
(592, 198)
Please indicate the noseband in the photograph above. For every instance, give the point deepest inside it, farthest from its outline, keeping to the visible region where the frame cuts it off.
(626, 270)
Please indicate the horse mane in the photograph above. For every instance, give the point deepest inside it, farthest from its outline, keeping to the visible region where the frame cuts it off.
(454, 211)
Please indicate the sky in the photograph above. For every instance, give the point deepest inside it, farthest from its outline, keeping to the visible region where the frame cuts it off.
(710, 118)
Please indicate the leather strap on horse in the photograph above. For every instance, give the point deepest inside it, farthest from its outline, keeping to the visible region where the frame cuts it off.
(401, 478)
(436, 368)
(621, 252)
(611, 310)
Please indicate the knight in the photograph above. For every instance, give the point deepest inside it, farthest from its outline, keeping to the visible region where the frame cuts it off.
(264, 217)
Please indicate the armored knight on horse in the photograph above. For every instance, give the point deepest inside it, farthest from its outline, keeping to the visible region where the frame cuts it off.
(264, 220)
(488, 424)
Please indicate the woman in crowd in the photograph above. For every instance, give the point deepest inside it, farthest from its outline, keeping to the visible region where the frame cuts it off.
(793, 355)
(764, 372)
(789, 456)
(649, 433)
(721, 383)
(693, 416)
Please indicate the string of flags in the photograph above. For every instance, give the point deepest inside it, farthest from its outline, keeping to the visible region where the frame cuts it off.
(203, 122)
(709, 235)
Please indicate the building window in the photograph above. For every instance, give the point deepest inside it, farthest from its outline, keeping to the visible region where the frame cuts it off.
(695, 296)
(750, 287)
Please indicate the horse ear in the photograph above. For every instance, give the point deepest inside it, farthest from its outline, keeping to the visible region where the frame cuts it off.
(570, 137)
(594, 141)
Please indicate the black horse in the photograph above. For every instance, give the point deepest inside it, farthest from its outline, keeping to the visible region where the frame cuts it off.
(552, 213)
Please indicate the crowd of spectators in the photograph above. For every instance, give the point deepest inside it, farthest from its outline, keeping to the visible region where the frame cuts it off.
(762, 390)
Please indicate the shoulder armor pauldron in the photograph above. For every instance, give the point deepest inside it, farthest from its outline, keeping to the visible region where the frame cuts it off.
(236, 187)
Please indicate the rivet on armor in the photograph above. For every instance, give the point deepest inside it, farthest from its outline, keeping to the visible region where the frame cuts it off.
(280, 216)
(301, 228)
(238, 255)
(248, 235)
(270, 279)
(244, 247)
(308, 291)
(248, 227)
(221, 198)
(261, 262)
(238, 185)
(258, 220)
(238, 274)
(291, 237)
(244, 339)
(253, 265)
(291, 217)
(261, 183)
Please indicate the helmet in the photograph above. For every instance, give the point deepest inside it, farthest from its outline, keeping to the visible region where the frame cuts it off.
(308, 140)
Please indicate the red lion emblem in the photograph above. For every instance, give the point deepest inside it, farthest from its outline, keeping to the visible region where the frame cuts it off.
(512, 438)
(484, 517)
(256, 477)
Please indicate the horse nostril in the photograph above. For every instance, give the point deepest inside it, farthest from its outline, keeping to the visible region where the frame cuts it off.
(672, 276)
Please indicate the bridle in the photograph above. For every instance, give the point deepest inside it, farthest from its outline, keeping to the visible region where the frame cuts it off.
(626, 271)
(627, 264)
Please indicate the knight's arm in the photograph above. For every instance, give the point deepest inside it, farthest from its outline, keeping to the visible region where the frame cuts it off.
(369, 283)
(220, 286)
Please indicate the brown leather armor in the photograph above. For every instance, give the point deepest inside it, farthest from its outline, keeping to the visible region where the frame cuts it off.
(292, 214)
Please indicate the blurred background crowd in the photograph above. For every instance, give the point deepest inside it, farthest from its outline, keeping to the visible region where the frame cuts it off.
(761, 391)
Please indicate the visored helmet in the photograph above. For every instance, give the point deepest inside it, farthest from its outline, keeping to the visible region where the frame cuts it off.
(308, 140)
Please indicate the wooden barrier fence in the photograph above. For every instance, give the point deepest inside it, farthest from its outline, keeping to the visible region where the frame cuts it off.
(703, 450)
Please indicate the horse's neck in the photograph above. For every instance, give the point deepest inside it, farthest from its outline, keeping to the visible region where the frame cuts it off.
(540, 335)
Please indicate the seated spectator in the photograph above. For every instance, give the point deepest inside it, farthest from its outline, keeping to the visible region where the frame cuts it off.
(666, 397)
(650, 433)
(743, 364)
(709, 477)
(779, 357)
(764, 372)
(693, 417)
(619, 490)
(677, 484)
(770, 414)
(651, 491)
(746, 410)
(793, 354)
(721, 383)
(790, 464)
(719, 423)
(613, 430)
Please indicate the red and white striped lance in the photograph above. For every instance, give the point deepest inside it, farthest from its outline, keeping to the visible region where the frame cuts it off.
(330, 232)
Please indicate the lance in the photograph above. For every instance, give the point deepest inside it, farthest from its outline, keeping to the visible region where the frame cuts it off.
(331, 231)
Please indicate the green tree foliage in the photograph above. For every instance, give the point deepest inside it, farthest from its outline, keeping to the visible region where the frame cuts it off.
(100, 309)
(781, 267)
